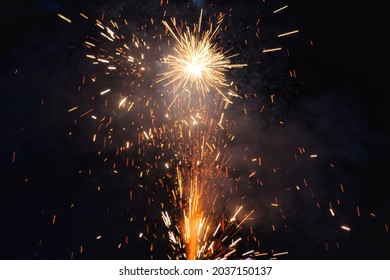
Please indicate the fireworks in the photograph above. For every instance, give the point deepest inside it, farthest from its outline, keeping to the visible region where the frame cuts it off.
(187, 133)
(198, 67)
(169, 129)
(188, 138)
(197, 63)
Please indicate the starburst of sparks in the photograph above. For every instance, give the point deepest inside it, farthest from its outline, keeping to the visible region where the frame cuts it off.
(197, 61)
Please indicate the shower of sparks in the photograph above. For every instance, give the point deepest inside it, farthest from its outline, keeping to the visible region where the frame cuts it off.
(172, 146)
(189, 139)
(198, 66)
(197, 63)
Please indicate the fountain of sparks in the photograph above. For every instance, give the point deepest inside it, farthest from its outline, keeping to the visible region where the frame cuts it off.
(174, 139)
(177, 139)
(197, 75)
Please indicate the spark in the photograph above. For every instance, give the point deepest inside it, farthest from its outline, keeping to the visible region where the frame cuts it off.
(248, 252)
(122, 101)
(346, 228)
(72, 109)
(64, 18)
(280, 9)
(105, 91)
(84, 16)
(272, 50)
(280, 254)
(288, 33)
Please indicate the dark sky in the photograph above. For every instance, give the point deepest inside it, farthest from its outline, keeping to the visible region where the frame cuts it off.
(336, 107)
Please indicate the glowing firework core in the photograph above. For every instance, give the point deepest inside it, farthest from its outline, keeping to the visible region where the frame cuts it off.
(195, 68)
(196, 60)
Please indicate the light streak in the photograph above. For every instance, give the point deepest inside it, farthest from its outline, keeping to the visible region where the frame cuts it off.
(64, 18)
(280, 9)
(272, 50)
(346, 228)
(288, 33)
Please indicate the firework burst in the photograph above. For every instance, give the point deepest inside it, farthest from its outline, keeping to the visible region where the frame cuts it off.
(189, 139)
(197, 62)
(175, 141)
(198, 67)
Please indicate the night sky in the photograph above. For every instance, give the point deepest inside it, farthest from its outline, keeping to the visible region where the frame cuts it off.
(335, 107)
